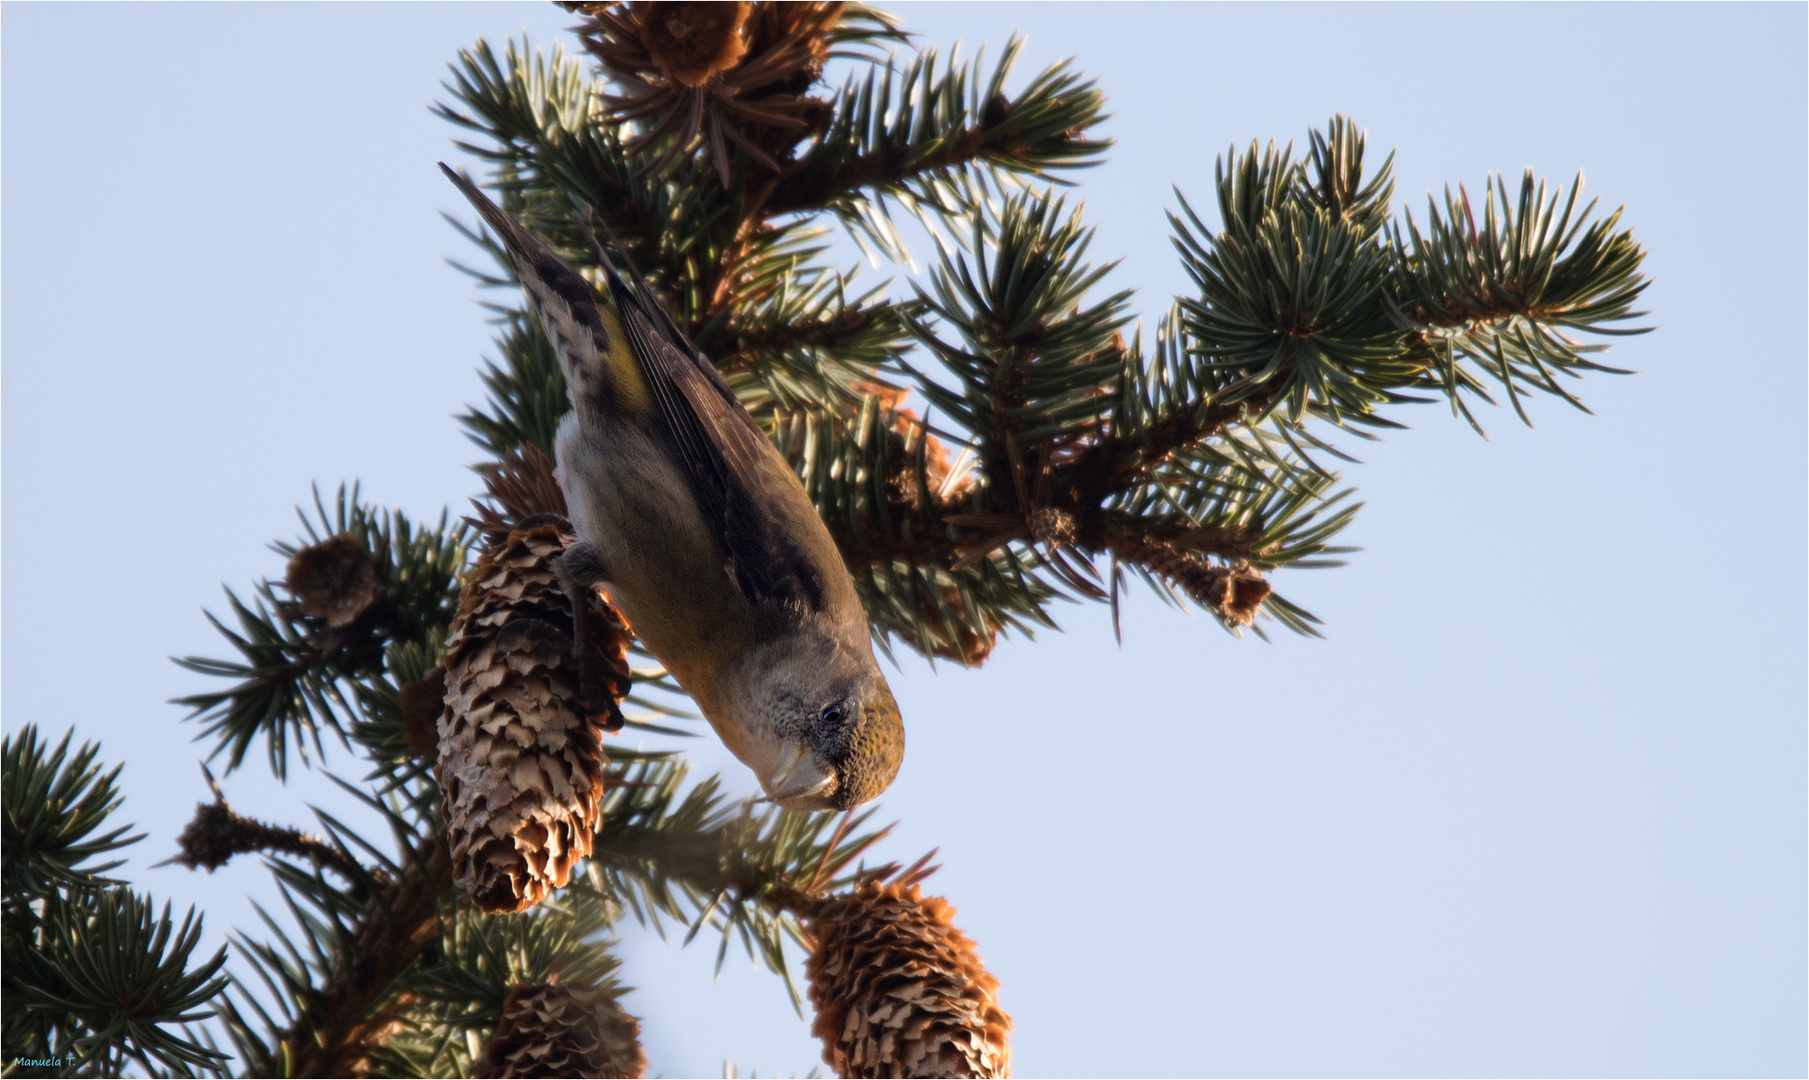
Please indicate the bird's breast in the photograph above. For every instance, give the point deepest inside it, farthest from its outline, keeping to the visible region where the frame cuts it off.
(632, 503)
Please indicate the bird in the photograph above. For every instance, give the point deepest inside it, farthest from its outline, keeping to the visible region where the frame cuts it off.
(705, 538)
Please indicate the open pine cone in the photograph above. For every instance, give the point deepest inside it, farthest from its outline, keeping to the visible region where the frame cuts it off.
(558, 1031)
(337, 579)
(520, 764)
(716, 73)
(968, 647)
(899, 991)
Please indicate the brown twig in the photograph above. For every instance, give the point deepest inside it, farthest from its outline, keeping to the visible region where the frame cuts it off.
(218, 832)
(1114, 463)
(1231, 590)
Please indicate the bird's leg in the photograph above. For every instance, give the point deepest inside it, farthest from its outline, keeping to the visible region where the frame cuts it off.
(580, 572)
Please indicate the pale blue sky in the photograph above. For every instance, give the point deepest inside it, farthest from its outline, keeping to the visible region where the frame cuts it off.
(1535, 807)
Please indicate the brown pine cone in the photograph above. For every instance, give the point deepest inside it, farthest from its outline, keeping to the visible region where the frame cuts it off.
(556, 1031)
(708, 74)
(337, 579)
(692, 41)
(421, 703)
(521, 765)
(968, 648)
(899, 991)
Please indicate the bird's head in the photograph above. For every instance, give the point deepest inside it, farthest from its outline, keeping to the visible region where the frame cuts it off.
(827, 732)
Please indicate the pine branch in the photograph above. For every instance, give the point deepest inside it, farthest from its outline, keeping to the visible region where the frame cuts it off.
(700, 861)
(1199, 470)
(534, 110)
(466, 977)
(297, 664)
(1499, 298)
(339, 994)
(907, 132)
(56, 805)
(1191, 471)
(1115, 463)
(218, 832)
(527, 391)
(1314, 300)
(116, 969)
(93, 973)
(357, 1006)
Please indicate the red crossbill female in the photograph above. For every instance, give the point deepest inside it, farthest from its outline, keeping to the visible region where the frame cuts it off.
(706, 539)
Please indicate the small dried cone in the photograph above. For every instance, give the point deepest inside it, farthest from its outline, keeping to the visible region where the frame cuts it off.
(899, 991)
(1244, 593)
(968, 648)
(714, 74)
(218, 832)
(520, 765)
(421, 703)
(1234, 590)
(907, 430)
(692, 40)
(335, 580)
(552, 1030)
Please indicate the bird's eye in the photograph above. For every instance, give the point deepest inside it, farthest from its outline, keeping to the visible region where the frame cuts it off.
(831, 715)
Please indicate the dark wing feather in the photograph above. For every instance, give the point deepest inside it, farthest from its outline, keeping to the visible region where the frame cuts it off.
(738, 479)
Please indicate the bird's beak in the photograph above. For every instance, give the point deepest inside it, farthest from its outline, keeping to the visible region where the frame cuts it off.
(798, 782)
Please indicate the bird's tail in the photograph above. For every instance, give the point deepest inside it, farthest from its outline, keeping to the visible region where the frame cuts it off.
(585, 328)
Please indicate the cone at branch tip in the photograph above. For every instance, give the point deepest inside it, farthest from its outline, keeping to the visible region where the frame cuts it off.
(549, 1030)
(898, 990)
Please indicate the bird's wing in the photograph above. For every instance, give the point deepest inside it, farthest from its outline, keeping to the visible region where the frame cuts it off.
(741, 484)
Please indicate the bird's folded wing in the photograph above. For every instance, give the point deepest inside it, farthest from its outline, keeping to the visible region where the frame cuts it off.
(741, 484)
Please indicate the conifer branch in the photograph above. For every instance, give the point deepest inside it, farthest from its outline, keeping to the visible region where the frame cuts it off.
(94, 974)
(218, 832)
(1114, 463)
(354, 1012)
(909, 131)
(299, 665)
(831, 333)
